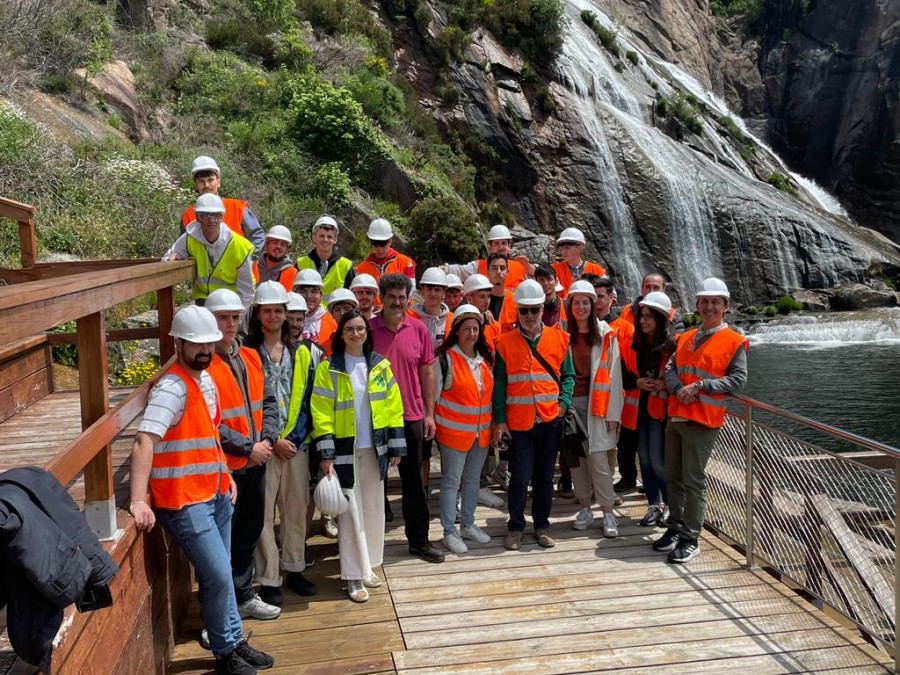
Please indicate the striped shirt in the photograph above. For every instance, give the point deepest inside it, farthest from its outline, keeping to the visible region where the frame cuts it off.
(165, 404)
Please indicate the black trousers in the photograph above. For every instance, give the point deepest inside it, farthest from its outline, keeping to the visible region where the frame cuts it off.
(415, 502)
(626, 456)
(246, 526)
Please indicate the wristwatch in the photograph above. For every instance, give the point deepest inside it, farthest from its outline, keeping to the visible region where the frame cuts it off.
(698, 386)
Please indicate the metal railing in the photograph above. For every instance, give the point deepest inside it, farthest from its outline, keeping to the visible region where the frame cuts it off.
(824, 519)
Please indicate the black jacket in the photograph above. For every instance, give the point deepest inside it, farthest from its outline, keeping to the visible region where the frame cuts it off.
(49, 559)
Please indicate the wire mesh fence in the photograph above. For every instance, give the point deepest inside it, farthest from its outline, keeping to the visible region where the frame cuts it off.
(820, 518)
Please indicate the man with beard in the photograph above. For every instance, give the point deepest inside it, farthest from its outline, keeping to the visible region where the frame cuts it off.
(275, 263)
(406, 344)
(365, 288)
(177, 457)
(336, 270)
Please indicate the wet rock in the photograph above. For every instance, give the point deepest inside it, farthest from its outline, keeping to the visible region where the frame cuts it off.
(818, 300)
(860, 296)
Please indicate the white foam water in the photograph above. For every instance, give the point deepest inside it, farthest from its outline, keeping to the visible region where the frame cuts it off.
(880, 326)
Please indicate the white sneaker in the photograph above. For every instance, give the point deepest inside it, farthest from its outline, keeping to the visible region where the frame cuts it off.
(357, 590)
(583, 519)
(454, 543)
(329, 527)
(256, 608)
(373, 581)
(610, 526)
(488, 498)
(476, 534)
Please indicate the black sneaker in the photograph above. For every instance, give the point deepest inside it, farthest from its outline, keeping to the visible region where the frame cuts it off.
(270, 595)
(667, 542)
(300, 584)
(624, 486)
(564, 488)
(233, 664)
(654, 511)
(428, 553)
(257, 659)
(308, 559)
(686, 551)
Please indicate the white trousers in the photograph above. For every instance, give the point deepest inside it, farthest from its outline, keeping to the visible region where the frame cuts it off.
(287, 489)
(361, 528)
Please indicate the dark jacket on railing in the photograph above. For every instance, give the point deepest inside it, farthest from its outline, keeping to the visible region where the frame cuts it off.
(49, 559)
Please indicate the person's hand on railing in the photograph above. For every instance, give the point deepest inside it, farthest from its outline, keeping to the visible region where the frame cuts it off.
(261, 453)
(143, 515)
(284, 449)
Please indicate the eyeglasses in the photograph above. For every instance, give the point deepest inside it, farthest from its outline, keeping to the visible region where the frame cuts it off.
(355, 330)
(530, 310)
(645, 316)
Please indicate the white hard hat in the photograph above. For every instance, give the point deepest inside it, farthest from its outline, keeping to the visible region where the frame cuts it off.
(499, 232)
(529, 294)
(195, 324)
(434, 276)
(364, 281)
(209, 203)
(454, 281)
(270, 293)
(477, 282)
(296, 303)
(713, 287)
(224, 300)
(658, 300)
(308, 277)
(379, 230)
(466, 312)
(342, 295)
(572, 235)
(279, 232)
(326, 221)
(204, 163)
(329, 497)
(559, 288)
(582, 287)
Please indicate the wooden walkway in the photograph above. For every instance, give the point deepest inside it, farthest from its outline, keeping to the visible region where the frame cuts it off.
(588, 605)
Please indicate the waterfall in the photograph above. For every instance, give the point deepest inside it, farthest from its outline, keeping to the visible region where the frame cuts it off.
(832, 330)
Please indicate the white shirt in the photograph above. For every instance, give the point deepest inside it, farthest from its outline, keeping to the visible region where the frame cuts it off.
(165, 403)
(474, 365)
(362, 408)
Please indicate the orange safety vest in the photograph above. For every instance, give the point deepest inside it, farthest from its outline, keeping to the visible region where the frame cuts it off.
(656, 401)
(460, 414)
(327, 329)
(233, 218)
(708, 361)
(530, 390)
(491, 331)
(188, 463)
(600, 387)
(508, 315)
(516, 274)
(285, 278)
(396, 263)
(624, 330)
(233, 410)
(564, 274)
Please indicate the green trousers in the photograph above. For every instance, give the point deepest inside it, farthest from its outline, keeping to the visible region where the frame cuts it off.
(688, 447)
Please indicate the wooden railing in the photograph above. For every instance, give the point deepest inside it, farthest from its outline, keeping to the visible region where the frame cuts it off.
(23, 215)
(60, 295)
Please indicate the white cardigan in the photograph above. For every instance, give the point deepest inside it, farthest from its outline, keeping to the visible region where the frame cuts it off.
(601, 439)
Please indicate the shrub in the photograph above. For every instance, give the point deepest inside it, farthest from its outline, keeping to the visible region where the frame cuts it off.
(690, 319)
(545, 101)
(66, 355)
(534, 26)
(292, 51)
(379, 99)
(662, 106)
(346, 17)
(607, 37)
(752, 310)
(686, 112)
(732, 128)
(620, 67)
(136, 371)
(786, 304)
(770, 310)
(441, 228)
(450, 44)
(333, 185)
(780, 182)
(633, 57)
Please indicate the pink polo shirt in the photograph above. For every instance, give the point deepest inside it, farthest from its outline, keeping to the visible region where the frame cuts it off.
(406, 350)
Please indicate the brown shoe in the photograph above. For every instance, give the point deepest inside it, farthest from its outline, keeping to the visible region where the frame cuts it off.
(544, 539)
(513, 541)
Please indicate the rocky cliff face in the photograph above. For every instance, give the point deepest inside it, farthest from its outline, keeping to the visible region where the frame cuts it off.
(650, 193)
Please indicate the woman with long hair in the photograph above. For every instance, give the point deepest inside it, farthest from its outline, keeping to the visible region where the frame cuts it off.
(462, 413)
(358, 431)
(644, 357)
(598, 401)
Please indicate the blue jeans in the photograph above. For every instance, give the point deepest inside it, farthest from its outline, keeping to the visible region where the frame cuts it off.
(460, 469)
(532, 457)
(203, 532)
(651, 449)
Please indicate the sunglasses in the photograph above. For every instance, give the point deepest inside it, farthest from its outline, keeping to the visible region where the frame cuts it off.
(530, 310)
(378, 243)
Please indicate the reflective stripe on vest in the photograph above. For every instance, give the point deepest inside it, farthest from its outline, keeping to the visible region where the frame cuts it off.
(565, 278)
(233, 218)
(285, 277)
(461, 415)
(600, 387)
(222, 274)
(708, 361)
(302, 359)
(188, 466)
(234, 411)
(335, 276)
(530, 390)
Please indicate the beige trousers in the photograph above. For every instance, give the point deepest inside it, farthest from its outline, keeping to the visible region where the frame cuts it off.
(287, 489)
(594, 474)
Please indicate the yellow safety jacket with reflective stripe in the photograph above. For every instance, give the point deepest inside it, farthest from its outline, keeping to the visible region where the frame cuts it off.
(334, 422)
(222, 274)
(708, 361)
(188, 463)
(335, 276)
(302, 360)
(460, 413)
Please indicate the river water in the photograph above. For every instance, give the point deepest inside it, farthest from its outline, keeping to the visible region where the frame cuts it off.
(842, 369)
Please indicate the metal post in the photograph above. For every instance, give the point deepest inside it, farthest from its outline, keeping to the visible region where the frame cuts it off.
(896, 566)
(748, 490)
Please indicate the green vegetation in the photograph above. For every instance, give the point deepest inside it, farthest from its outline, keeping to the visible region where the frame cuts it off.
(440, 229)
(748, 13)
(662, 106)
(620, 67)
(780, 182)
(752, 310)
(685, 110)
(607, 37)
(770, 310)
(691, 320)
(633, 57)
(545, 101)
(786, 304)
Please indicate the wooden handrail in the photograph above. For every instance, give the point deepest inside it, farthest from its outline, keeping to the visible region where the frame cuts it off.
(23, 214)
(70, 461)
(15, 210)
(51, 270)
(149, 333)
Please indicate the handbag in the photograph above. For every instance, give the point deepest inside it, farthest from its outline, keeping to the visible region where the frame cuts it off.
(573, 442)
